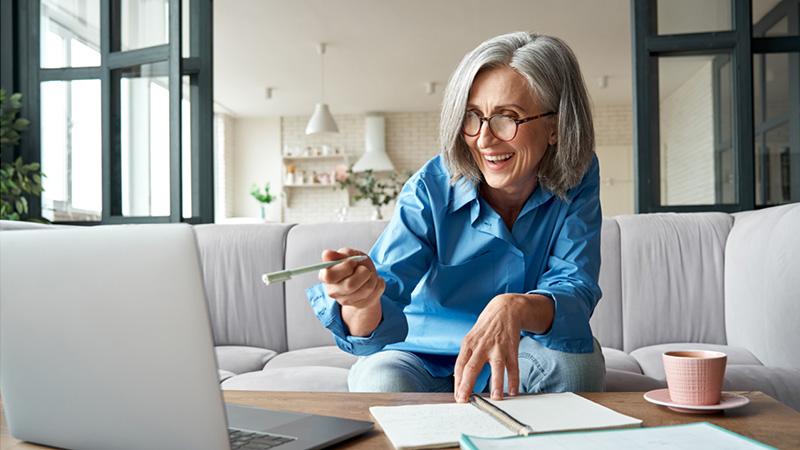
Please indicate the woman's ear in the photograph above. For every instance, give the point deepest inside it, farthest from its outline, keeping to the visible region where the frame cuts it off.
(553, 138)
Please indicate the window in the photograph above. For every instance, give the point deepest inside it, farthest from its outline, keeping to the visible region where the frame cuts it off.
(122, 89)
(716, 104)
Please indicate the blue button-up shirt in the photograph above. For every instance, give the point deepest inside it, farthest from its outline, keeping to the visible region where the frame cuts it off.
(446, 253)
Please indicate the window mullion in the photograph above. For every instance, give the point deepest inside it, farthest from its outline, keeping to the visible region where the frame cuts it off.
(743, 137)
(175, 100)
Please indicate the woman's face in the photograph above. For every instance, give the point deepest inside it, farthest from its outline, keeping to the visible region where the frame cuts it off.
(509, 168)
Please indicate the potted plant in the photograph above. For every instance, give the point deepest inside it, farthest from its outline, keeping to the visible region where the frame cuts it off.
(16, 179)
(378, 192)
(264, 198)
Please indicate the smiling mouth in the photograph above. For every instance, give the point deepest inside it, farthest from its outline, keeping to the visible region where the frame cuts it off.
(497, 159)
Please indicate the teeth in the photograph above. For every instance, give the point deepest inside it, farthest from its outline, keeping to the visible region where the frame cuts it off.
(498, 157)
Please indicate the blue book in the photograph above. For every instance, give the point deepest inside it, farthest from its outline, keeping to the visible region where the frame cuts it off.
(693, 436)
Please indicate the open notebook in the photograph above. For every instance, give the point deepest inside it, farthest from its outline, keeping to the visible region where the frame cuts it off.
(441, 425)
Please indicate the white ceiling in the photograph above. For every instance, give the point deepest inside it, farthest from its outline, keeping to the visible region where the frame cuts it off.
(381, 53)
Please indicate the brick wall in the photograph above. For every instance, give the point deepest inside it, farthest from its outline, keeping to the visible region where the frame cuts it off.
(687, 142)
(614, 144)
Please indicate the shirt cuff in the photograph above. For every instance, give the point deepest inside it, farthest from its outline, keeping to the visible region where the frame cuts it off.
(392, 328)
(570, 331)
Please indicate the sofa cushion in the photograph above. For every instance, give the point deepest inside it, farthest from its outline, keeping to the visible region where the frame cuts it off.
(606, 321)
(778, 383)
(619, 360)
(308, 378)
(304, 246)
(224, 375)
(649, 358)
(243, 310)
(762, 284)
(623, 381)
(328, 356)
(12, 225)
(672, 278)
(241, 359)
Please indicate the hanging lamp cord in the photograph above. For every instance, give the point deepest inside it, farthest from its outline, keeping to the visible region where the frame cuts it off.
(321, 49)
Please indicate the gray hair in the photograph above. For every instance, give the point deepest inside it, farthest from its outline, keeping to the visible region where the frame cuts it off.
(556, 83)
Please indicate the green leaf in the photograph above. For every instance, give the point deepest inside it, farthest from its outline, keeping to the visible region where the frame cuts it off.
(15, 101)
(21, 124)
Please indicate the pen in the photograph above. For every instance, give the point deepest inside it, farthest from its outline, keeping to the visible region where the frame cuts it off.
(283, 275)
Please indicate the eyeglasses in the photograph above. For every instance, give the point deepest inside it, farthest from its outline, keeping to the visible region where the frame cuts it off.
(503, 127)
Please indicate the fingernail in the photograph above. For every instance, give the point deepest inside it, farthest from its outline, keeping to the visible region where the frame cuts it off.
(497, 394)
(512, 393)
(460, 397)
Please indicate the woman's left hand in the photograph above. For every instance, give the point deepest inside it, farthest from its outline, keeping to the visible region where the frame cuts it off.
(495, 339)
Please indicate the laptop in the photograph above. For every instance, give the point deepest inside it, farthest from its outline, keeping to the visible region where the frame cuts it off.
(106, 342)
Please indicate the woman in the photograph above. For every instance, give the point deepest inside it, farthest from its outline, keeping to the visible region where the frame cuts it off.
(486, 276)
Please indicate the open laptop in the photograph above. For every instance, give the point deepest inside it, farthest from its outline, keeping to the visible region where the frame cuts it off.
(106, 342)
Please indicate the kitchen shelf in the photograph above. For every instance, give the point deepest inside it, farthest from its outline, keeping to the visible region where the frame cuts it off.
(311, 158)
(310, 185)
(305, 163)
(287, 189)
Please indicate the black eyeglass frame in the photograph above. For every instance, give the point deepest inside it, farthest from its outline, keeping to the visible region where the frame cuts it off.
(488, 120)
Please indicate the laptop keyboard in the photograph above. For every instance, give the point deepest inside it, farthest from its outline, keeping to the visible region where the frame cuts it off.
(250, 440)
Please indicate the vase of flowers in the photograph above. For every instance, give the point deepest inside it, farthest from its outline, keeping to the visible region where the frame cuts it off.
(264, 198)
(378, 191)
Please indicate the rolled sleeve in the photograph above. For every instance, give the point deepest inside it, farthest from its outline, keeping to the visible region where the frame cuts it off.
(392, 328)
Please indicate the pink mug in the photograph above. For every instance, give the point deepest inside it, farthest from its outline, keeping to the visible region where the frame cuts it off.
(694, 377)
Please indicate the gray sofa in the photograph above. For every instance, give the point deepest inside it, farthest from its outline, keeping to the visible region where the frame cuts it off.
(669, 281)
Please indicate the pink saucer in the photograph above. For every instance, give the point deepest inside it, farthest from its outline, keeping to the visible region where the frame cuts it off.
(727, 401)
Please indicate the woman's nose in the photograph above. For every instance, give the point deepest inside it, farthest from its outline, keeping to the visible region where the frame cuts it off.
(486, 138)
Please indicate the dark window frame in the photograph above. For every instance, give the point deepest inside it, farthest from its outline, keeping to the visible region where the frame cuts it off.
(648, 46)
(19, 45)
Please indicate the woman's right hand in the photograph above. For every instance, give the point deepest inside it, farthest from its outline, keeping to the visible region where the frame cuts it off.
(357, 287)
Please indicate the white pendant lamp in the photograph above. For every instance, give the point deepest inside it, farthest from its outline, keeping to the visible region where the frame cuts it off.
(375, 157)
(322, 120)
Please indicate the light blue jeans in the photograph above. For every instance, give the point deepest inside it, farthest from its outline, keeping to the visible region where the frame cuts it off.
(540, 370)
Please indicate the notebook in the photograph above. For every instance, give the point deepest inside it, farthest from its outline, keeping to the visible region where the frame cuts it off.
(442, 425)
(106, 342)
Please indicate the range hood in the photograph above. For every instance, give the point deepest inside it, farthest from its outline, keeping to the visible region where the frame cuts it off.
(375, 157)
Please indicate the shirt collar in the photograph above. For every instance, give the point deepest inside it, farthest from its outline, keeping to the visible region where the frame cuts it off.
(462, 193)
(539, 197)
(466, 192)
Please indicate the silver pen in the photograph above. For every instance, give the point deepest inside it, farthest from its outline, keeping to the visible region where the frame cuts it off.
(283, 275)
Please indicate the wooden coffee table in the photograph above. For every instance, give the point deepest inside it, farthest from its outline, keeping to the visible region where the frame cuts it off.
(764, 419)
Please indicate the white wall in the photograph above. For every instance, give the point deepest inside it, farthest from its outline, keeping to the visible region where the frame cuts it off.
(614, 144)
(256, 160)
